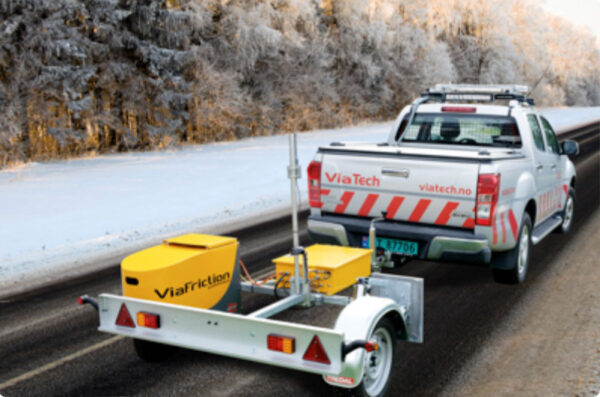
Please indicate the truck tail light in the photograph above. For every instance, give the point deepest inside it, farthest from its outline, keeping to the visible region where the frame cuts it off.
(315, 352)
(314, 184)
(488, 186)
(148, 320)
(279, 343)
(124, 318)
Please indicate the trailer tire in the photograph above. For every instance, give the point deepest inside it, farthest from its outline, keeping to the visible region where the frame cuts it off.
(379, 364)
(151, 351)
(510, 267)
(567, 213)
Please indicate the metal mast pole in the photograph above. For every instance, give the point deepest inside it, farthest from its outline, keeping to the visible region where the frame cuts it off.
(294, 174)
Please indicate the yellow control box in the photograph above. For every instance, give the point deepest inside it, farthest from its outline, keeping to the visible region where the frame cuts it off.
(197, 270)
(331, 268)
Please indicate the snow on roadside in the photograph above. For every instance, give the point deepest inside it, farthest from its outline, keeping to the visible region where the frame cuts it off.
(65, 215)
(566, 118)
(67, 212)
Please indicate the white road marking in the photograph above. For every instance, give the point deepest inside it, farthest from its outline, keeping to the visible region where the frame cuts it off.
(54, 364)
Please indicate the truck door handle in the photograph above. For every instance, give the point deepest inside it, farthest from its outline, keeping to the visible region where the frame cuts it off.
(539, 167)
(553, 166)
(403, 173)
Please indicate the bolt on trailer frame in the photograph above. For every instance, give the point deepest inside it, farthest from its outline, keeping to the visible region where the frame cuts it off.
(356, 352)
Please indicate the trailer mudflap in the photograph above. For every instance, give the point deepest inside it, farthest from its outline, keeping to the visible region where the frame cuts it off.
(223, 333)
(407, 292)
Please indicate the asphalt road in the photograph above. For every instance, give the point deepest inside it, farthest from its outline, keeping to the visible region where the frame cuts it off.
(49, 345)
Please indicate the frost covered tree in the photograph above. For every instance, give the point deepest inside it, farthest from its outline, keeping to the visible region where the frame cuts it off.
(78, 77)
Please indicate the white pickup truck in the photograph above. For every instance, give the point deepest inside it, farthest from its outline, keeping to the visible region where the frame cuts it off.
(469, 173)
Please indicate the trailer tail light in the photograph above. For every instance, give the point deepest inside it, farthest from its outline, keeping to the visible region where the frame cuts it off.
(458, 109)
(148, 320)
(315, 352)
(371, 346)
(488, 186)
(124, 318)
(314, 184)
(280, 343)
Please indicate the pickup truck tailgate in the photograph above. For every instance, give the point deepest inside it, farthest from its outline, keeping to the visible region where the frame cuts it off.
(410, 188)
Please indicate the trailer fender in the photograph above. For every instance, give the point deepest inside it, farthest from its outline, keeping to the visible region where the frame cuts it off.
(357, 321)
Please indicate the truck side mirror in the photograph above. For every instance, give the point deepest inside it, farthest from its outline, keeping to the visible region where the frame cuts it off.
(570, 148)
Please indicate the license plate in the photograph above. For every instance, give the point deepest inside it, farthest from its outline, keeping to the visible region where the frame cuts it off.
(401, 247)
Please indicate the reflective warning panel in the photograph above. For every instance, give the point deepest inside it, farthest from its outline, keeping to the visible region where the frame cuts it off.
(315, 352)
(124, 318)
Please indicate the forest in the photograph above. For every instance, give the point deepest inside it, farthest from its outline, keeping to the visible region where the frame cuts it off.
(83, 77)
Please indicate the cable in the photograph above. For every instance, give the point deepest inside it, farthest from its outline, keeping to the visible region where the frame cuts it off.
(252, 281)
(278, 282)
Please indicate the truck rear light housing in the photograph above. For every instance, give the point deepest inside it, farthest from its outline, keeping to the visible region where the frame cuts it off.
(314, 184)
(148, 320)
(488, 186)
(280, 343)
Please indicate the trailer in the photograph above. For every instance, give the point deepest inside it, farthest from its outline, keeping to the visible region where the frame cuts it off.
(186, 292)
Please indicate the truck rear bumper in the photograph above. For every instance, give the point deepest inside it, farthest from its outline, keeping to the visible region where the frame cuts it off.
(435, 243)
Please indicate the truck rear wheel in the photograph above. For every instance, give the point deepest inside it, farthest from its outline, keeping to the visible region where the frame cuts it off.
(151, 351)
(510, 267)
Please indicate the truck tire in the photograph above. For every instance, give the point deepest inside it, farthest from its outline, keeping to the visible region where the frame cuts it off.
(510, 267)
(379, 364)
(151, 351)
(567, 213)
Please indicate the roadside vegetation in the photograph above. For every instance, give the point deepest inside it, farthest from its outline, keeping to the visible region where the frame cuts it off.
(80, 77)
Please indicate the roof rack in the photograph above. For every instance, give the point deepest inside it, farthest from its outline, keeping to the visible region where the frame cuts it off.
(478, 93)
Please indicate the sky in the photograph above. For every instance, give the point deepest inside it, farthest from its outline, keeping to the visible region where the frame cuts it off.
(584, 13)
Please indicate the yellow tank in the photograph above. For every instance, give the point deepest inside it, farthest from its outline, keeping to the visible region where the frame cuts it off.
(332, 268)
(197, 270)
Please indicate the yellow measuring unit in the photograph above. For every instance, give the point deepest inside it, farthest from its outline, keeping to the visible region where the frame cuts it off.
(330, 268)
(197, 270)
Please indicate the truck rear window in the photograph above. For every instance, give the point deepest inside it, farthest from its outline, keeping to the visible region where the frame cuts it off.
(462, 129)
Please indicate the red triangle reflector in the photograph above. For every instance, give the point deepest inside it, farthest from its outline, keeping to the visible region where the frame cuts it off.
(124, 318)
(315, 352)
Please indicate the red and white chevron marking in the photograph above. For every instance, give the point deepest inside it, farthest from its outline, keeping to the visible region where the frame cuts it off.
(408, 208)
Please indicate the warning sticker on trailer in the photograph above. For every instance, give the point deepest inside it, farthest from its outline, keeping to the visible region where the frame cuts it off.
(342, 380)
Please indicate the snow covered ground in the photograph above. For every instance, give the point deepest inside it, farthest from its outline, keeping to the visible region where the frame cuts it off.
(70, 217)
(567, 118)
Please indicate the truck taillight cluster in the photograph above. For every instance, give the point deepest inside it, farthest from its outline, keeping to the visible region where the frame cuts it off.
(314, 184)
(488, 188)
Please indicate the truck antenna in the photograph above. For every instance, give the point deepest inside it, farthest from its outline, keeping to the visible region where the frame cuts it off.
(539, 80)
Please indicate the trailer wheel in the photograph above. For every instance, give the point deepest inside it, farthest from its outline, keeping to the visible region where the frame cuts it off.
(151, 351)
(510, 267)
(567, 214)
(379, 364)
